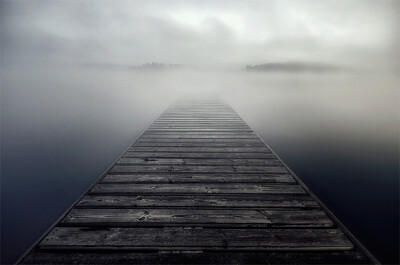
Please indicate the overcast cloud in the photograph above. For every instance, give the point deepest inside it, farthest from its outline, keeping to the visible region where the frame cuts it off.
(200, 32)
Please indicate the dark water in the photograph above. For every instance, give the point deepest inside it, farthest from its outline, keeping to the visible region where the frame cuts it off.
(61, 128)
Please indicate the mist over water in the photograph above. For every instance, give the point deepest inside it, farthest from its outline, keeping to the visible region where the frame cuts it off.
(62, 127)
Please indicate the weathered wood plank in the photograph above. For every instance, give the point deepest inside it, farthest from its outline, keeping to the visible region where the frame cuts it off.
(200, 122)
(198, 144)
(181, 109)
(204, 162)
(199, 136)
(201, 149)
(197, 169)
(199, 109)
(223, 124)
(200, 188)
(200, 155)
(189, 115)
(196, 217)
(199, 126)
(206, 111)
(208, 201)
(199, 178)
(201, 141)
(198, 130)
(207, 128)
(199, 118)
(265, 258)
(191, 239)
(200, 133)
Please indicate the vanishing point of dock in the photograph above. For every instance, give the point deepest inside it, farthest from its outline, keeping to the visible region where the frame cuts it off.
(198, 187)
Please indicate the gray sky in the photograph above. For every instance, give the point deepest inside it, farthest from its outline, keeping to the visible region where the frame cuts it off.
(200, 32)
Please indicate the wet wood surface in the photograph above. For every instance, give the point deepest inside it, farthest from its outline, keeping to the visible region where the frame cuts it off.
(198, 187)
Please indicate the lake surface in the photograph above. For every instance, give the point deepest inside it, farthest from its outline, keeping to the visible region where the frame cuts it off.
(62, 127)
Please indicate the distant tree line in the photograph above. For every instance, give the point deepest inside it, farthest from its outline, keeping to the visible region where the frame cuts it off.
(291, 67)
(154, 66)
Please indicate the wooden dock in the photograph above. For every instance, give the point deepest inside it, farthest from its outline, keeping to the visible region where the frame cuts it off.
(198, 187)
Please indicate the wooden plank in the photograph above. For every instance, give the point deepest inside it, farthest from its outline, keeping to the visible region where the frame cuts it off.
(208, 128)
(201, 149)
(199, 178)
(204, 162)
(209, 201)
(197, 169)
(209, 131)
(200, 121)
(197, 144)
(199, 133)
(216, 110)
(212, 110)
(177, 116)
(200, 188)
(198, 108)
(154, 217)
(200, 155)
(193, 116)
(196, 239)
(197, 136)
(191, 128)
(200, 124)
(193, 257)
(206, 110)
(199, 115)
(194, 109)
(198, 128)
(197, 119)
(201, 141)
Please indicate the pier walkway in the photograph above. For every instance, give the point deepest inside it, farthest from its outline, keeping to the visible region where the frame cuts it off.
(198, 187)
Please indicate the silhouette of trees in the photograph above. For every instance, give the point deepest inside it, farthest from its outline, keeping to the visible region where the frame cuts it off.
(291, 67)
(155, 66)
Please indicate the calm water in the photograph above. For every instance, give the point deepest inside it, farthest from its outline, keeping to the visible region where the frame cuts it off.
(62, 127)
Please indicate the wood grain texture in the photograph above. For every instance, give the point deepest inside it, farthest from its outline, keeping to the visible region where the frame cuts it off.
(199, 178)
(198, 202)
(196, 217)
(199, 188)
(199, 136)
(204, 162)
(197, 141)
(176, 238)
(199, 257)
(197, 144)
(198, 169)
(200, 155)
(201, 149)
